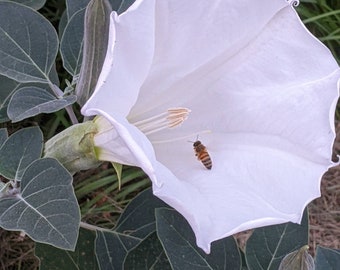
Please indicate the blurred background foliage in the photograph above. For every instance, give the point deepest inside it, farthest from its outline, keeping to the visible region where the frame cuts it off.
(322, 18)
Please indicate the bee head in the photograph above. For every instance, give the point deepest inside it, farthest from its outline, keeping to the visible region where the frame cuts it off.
(197, 143)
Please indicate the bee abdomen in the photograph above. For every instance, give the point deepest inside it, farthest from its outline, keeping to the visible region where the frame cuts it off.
(206, 160)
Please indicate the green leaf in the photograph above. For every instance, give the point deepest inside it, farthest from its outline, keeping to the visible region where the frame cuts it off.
(268, 245)
(4, 188)
(111, 249)
(124, 5)
(8, 86)
(30, 101)
(19, 151)
(136, 223)
(74, 6)
(148, 254)
(3, 136)
(180, 246)
(35, 4)
(71, 45)
(62, 24)
(139, 216)
(298, 260)
(57, 259)
(115, 4)
(28, 44)
(243, 260)
(53, 76)
(121, 5)
(45, 207)
(327, 259)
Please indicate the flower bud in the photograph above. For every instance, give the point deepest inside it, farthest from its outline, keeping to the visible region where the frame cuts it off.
(74, 147)
(298, 260)
(96, 33)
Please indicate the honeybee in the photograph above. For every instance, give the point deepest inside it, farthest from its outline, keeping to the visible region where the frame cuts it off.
(202, 154)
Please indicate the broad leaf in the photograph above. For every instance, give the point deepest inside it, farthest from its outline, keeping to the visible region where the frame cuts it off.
(115, 4)
(35, 4)
(149, 254)
(7, 88)
(3, 136)
(327, 258)
(136, 223)
(57, 259)
(28, 44)
(123, 5)
(30, 101)
(53, 76)
(73, 6)
(19, 151)
(3, 188)
(62, 24)
(268, 245)
(243, 260)
(111, 249)
(138, 219)
(46, 207)
(71, 44)
(180, 246)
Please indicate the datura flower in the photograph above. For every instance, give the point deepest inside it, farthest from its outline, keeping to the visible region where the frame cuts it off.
(247, 80)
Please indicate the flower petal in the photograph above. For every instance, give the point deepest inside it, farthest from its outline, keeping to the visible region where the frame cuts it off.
(263, 86)
(119, 141)
(191, 34)
(128, 59)
(302, 114)
(282, 82)
(255, 181)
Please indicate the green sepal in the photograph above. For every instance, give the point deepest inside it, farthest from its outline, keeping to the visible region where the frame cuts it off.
(118, 168)
(74, 147)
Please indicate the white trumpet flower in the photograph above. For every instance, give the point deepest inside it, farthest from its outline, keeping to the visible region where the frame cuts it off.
(247, 79)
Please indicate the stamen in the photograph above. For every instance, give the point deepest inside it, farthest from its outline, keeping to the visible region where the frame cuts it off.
(173, 117)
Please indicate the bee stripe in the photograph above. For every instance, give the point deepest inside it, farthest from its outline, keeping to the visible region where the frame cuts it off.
(206, 160)
(202, 154)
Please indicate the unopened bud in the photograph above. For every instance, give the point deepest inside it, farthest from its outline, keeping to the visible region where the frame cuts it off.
(96, 34)
(74, 147)
(298, 260)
